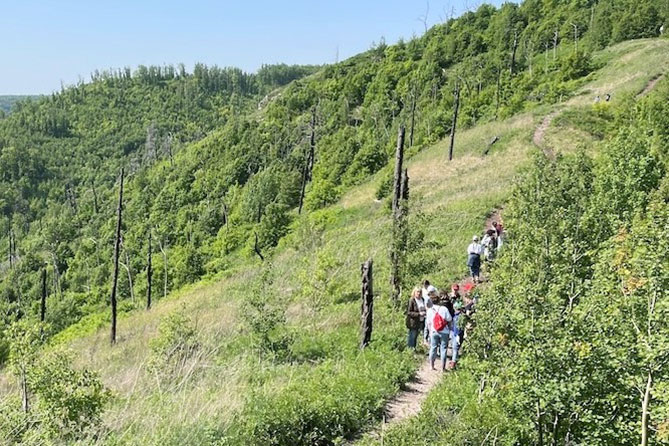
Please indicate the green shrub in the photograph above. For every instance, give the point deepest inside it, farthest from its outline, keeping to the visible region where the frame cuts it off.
(175, 344)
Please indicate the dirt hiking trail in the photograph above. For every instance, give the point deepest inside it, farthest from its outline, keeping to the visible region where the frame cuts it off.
(408, 402)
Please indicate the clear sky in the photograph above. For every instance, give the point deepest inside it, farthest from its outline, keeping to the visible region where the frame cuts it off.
(46, 42)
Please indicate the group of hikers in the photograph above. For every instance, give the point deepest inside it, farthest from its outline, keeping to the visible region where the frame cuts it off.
(442, 319)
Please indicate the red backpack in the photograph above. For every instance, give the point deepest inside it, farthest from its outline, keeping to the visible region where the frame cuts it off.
(439, 323)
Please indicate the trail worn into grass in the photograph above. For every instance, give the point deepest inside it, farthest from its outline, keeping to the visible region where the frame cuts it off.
(408, 402)
(650, 86)
(540, 133)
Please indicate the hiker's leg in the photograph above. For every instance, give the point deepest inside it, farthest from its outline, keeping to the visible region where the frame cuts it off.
(411, 339)
(455, 345)
(444, 350)
(434, 340)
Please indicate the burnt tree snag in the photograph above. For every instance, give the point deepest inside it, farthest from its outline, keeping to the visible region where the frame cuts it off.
(456, 108)
(149, 271)
(514, 48)
(413, 118)
(256, 247)
(397, 178)
(367, 304)
(399, 241)
(42, 306)
(117, 247)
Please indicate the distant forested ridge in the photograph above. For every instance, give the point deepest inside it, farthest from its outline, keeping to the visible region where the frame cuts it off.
(217, 158)
(8, 101)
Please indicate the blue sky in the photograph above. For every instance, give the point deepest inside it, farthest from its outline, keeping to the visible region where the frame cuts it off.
(48, 42)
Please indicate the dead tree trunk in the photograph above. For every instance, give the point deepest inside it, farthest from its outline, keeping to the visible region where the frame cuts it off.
(556, 36)
(397, 178)
(256, 248)
(645, 410)
(413, 119)
(225, 216)
(399, 241)
(42, 307)
(498, 92)
(367, 303)
(11, 248)
(312, 145)
(24, 391)
(149, 272)
(165, 266)
(456, 108)
(126, 266)
(514, 48)
(117, 247)
(540, 427)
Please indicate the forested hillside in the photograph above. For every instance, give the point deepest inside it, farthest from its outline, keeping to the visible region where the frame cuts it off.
(8, 101)
(260, 184)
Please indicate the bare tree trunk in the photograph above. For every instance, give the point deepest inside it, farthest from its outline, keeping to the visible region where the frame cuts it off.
(56, 274)
(540, 427)
(25, 405)
(42, 307)
(149, 272)
(455, 121)
(397, 178)
(556, 35)
(126, 266)
(399, 241)
(645, 412)
(225, 216)
(413, 118)
(367, 303)
(256, 248)
(514, 48)
(312, 146)
(165, 266)
(117, 247)
(498, 92)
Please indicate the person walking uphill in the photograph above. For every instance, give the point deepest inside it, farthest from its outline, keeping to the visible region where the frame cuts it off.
(474, 251)
(440, 320)
(415, 320)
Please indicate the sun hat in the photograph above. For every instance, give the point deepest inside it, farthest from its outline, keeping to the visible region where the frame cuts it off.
(475, 238)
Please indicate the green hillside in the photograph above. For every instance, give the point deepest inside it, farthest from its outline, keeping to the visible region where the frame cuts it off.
(236, 350)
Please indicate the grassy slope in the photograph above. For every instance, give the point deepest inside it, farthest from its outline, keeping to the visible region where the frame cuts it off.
(316, 270)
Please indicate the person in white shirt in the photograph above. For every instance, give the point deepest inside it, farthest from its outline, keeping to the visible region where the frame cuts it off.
(427, 290)
(438, 337)
(474, 251)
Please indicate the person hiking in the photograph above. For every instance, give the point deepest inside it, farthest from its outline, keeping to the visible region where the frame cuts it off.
(427, 289)
(440, 320)
(474, 251)
(489, 243)
(455, 335)
(415, 317)
(428, 326)
(499, 231)
(445, 299)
